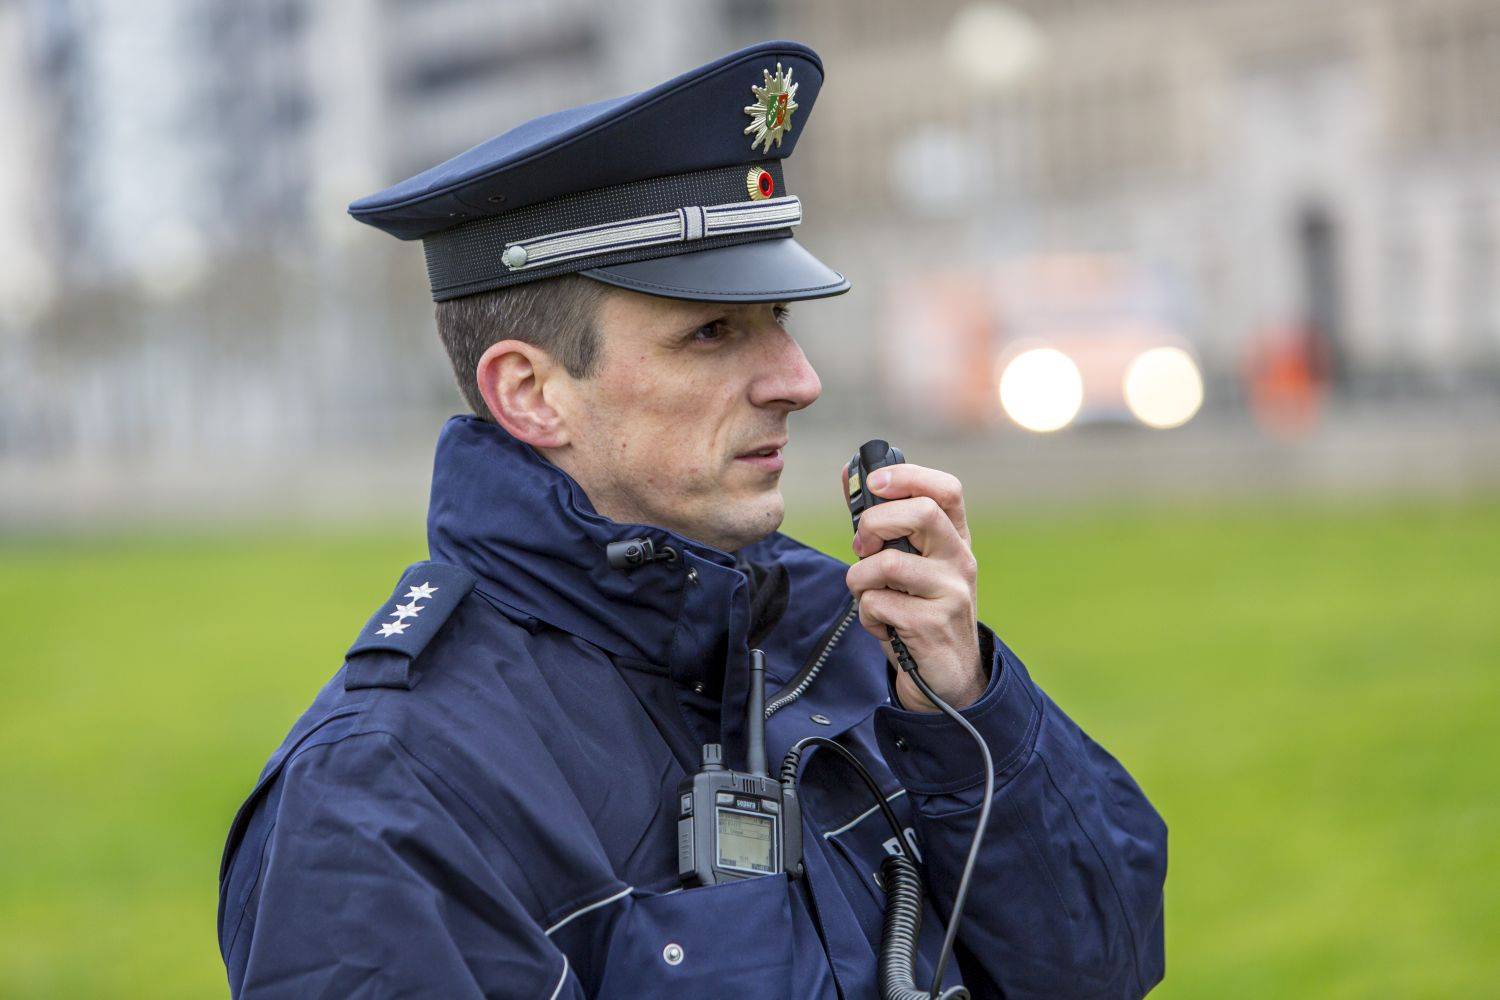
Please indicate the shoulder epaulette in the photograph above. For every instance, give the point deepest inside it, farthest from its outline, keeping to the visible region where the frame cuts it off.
(391, 640)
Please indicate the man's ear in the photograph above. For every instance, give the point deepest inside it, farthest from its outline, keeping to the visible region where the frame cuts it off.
(513, 379)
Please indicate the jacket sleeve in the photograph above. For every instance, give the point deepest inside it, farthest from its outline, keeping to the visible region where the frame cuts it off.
(1066, 897)
(363, 883)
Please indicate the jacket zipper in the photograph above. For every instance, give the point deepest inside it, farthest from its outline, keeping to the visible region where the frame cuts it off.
(799, 684)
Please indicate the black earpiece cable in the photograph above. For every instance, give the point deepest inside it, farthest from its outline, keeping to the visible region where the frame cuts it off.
(897, 983)
(908, 664)
(793, 760)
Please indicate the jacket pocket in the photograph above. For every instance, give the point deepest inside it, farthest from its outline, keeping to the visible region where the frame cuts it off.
(720, 941)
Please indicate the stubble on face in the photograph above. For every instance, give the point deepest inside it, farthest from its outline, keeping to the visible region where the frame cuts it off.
(679, 393)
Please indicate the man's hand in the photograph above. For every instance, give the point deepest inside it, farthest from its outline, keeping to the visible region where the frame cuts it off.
(930, 599)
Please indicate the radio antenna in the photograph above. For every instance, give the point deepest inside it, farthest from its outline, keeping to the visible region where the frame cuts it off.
(755, 715)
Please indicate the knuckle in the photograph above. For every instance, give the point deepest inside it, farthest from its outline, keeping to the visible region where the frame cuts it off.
(885, 603)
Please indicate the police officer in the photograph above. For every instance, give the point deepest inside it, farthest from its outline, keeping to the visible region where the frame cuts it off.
(483, 801)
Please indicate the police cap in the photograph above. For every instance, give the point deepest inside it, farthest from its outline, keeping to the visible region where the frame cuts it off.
(675, 191)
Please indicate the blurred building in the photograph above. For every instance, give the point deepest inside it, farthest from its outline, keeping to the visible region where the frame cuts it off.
(182, 277)
(25, 261)
(1325, 168)
(190, 279)
(179, 129)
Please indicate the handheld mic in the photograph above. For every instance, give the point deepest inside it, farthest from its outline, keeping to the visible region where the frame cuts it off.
(904, 885)
(872, 455)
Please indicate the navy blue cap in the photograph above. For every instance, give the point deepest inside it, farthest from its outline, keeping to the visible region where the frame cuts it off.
(675, 191)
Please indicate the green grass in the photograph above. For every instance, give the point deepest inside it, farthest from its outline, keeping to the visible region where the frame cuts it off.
(1310, 696)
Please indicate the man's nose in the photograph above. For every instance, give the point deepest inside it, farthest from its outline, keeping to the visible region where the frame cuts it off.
(787, 378)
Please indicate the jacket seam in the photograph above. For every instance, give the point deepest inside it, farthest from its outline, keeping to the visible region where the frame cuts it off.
(499, 605)
(860, 818)
(416, 759)
(268, 775)
(677, 628)
(303, 746)
(260, 864)
(500, 840)
(1021, 751)
(1130, 930)
(1040, 854)
(580, 911)
(557, 990)
(262, 785)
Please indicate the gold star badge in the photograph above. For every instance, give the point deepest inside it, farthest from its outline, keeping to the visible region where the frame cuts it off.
(771, 114)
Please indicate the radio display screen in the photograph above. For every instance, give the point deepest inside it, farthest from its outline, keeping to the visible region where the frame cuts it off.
(746, 841)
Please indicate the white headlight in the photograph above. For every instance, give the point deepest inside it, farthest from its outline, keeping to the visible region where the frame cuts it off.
(1163, 387)
(1041, 389)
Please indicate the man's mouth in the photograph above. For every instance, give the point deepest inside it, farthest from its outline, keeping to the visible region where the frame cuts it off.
(767, 457)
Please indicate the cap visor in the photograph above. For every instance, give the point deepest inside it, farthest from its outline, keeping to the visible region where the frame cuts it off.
(777, 270)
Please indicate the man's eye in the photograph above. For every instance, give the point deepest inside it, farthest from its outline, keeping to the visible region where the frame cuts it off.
(709, 332)
(782, 314)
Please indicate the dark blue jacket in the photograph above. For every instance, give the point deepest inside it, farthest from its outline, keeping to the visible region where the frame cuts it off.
(482, 801)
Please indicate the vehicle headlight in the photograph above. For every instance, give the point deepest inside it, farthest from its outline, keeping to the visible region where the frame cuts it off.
(1163, 387)
(1041, 389)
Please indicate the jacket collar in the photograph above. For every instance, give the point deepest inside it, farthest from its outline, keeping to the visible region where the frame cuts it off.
(526, 529)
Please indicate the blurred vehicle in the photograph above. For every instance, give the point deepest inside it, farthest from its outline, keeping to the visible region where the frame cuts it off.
(1045, 342)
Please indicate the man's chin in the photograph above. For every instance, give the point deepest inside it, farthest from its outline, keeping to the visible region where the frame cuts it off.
(748, 522)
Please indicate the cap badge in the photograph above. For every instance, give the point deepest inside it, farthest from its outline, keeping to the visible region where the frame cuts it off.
(771, 114)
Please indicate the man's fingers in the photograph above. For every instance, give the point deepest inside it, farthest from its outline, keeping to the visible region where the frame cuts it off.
(891, 569)
(907, 480)
(918, 518)
(915, 619)
(881, 610)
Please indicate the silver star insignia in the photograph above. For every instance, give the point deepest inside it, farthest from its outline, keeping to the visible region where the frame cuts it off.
(422, 592)
(406, 611)
(771, 114)
(394, 628)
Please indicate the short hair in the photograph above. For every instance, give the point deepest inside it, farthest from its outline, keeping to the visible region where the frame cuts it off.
(556, 314)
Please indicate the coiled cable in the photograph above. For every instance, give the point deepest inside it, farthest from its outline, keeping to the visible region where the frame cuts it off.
(903, 889)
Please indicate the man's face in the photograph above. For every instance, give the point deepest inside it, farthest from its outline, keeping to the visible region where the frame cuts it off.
(682, 423)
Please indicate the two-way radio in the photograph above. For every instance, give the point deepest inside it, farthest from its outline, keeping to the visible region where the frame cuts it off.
(738, 824)
(735, 825)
